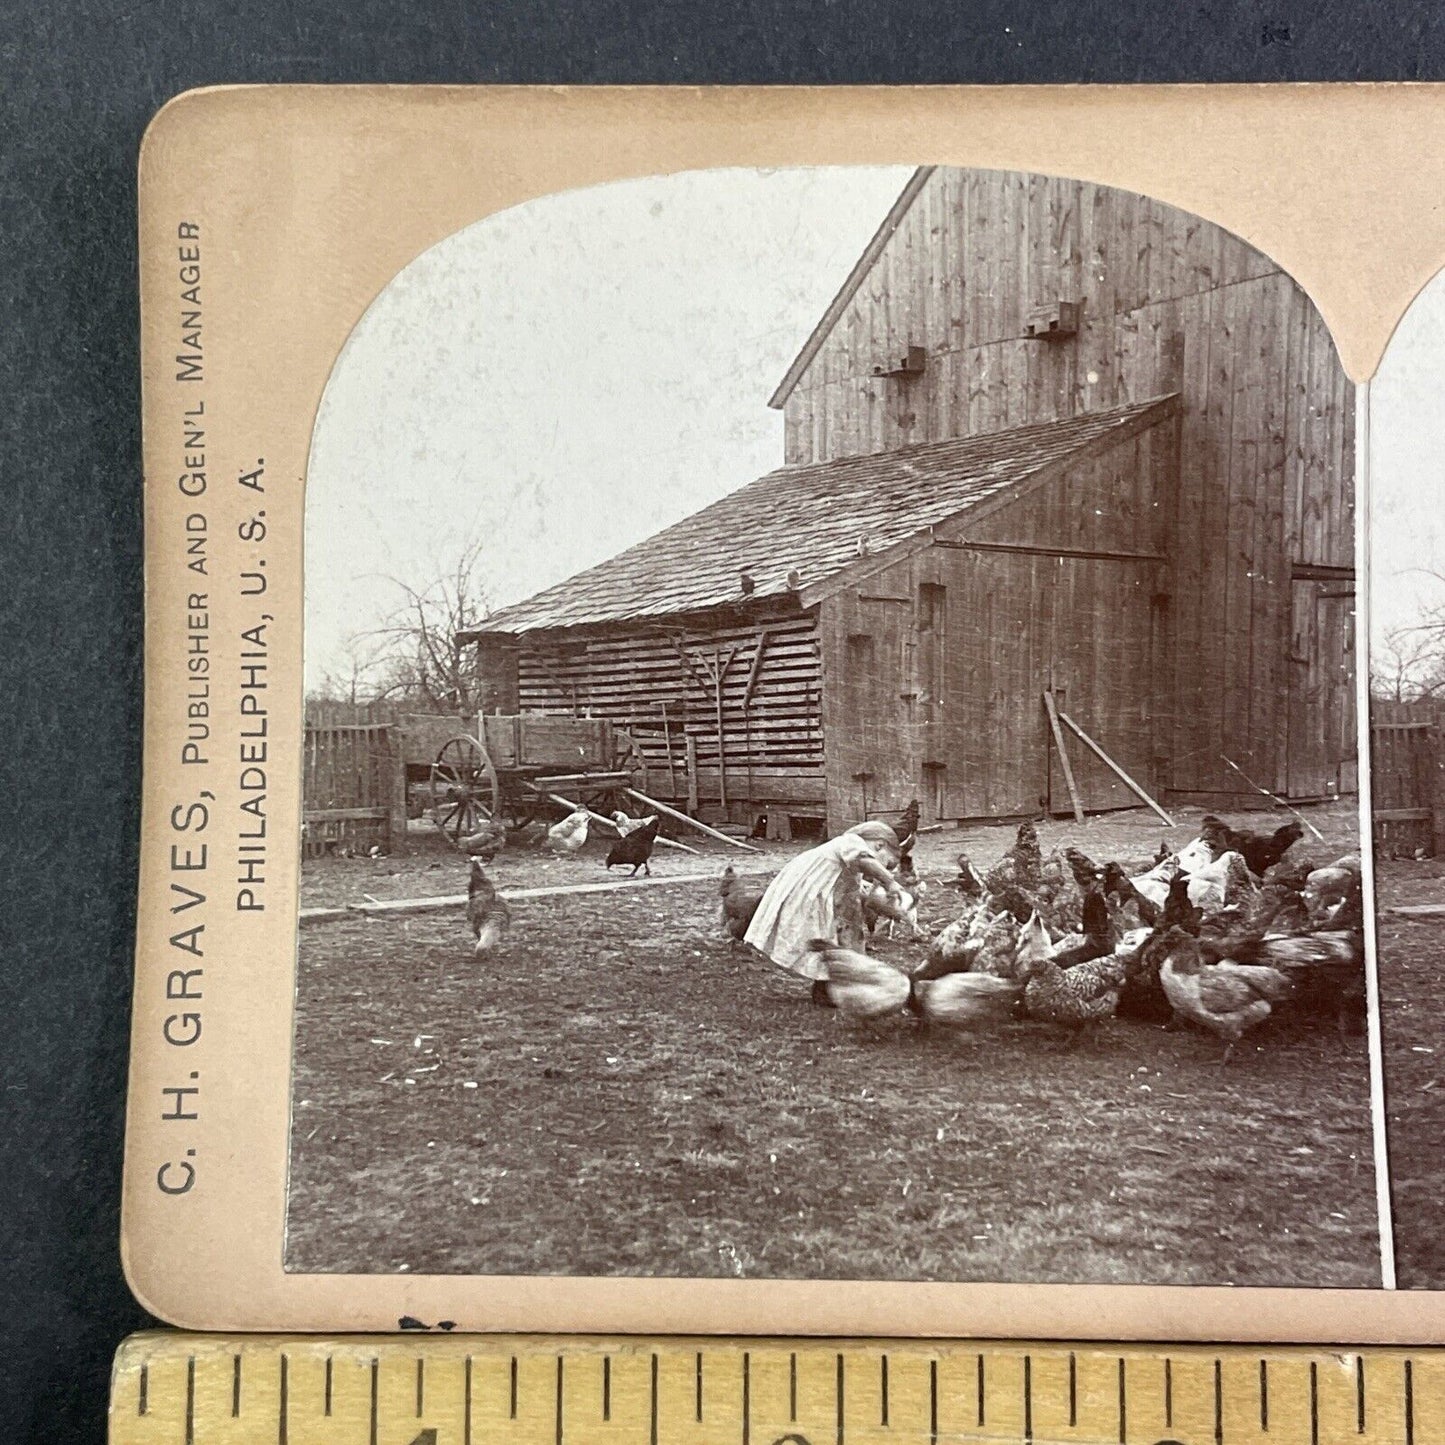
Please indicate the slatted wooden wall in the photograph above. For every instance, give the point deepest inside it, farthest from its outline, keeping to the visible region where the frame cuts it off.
(1407, 777)
(1169, 302)
(658, 686)
(354, 791)
(937, 666)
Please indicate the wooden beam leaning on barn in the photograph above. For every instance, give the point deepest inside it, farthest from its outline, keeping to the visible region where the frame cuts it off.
(1114, 767)
(1052, 709)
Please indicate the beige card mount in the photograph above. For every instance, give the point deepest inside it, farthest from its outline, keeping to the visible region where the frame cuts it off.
(781, 457)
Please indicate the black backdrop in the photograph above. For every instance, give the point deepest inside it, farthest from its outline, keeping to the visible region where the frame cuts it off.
(78, 83)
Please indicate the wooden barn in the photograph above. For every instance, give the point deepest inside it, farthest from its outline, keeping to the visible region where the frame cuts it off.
(1049, 438)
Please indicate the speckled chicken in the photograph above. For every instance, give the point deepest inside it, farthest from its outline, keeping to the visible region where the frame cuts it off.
(487, 915)
(740, 898)
(1020, 865)
(1227, 998)
(1075, 996)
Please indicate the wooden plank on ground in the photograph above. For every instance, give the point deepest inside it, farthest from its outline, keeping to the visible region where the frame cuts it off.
(1108, 762)
(1058, 732)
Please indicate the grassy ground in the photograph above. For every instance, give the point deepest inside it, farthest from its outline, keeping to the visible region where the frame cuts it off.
(1414, 1054)
(620, 1091)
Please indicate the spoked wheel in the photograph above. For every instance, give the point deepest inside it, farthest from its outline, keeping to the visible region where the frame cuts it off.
(464, 788)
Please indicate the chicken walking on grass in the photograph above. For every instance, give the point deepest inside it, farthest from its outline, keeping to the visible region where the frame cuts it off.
(487, 915)
(634, 848)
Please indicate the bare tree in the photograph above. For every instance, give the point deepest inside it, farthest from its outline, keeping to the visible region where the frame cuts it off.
(417, 658)
(1409, 662)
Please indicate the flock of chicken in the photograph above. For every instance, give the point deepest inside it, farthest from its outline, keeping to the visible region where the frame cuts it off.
(1220, 935)
(488, 916)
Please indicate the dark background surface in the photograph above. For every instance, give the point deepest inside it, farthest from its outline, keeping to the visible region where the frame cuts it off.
(79, 83)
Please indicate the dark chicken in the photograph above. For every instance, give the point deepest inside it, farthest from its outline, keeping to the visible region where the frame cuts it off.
(1261, 851)
(635, 848)
(907, 826)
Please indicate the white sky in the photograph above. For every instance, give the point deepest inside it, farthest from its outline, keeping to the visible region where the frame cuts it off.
(1407, 465)
(566, 378)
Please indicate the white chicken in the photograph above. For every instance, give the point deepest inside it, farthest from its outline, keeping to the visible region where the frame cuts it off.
(570, 835)
(626, 825)
(1154, 884)
(1210, 884)
(861, 987)
(960, 999)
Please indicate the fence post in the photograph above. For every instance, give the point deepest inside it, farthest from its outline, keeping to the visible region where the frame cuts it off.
(396, 788)
(1435, 790)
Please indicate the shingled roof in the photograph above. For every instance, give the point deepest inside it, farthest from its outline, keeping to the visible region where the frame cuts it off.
(810, 519)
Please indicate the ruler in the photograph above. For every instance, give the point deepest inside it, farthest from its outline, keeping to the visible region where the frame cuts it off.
(177, 1389)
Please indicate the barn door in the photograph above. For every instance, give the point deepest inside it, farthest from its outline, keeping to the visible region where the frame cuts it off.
(1105, 675)
(1323, 748)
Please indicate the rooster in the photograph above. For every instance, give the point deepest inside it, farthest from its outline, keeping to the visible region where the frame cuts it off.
(1178, 911)
(1261, 851)
(1096, 939)
(907, 826)
(635, 847)
(740, 899)
(570, 835)
(487, 915)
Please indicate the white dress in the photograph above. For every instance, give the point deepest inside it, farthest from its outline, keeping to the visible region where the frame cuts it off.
(815, 896)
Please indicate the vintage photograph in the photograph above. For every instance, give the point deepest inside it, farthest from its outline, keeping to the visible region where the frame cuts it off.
(1407, 709)
(831, 750)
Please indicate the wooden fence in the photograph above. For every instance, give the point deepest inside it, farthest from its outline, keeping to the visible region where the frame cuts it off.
(354, 788)
(1407, 778)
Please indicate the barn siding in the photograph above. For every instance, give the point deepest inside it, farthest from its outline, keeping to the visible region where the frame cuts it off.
(773, 747)
(1169, 303)
(1013, 624)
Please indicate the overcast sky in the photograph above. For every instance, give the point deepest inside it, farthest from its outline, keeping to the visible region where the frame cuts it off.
(564, 379)
(1407, 465)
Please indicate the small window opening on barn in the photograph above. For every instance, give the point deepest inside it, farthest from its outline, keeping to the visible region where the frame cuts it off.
(861, 652)
(932, 650)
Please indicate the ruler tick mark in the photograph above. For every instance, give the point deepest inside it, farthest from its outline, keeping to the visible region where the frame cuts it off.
(326, 1395)
(747, 1397)
(652, 1427)
(1359, 1394)
(559, 1400)
(375, 1381)
(191, 1401)
(792, 1388)
(236, 1386)
(697, 1385)
(883, 1387)
(1314, 1403)
(606, 1387)
(1409, 1402)
(142, 1402)
(1028, 1397)
(981, 1406)
(1264, 1396)
(1073, 1391)
(1168, 1392)
(420, 1385)
(1218, 1403)
(466, 1401)
(840, 1400)
(512, 1406)
(1123, 1404)
(933, 1402)
(283, 1425)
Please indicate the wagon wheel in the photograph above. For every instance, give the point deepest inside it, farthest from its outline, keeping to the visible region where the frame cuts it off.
(464, 788)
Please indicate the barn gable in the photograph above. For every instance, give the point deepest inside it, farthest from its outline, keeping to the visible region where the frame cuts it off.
(942, 330)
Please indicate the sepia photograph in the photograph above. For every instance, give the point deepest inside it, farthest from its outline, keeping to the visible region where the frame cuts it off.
(1407, 793)
(832, 750)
